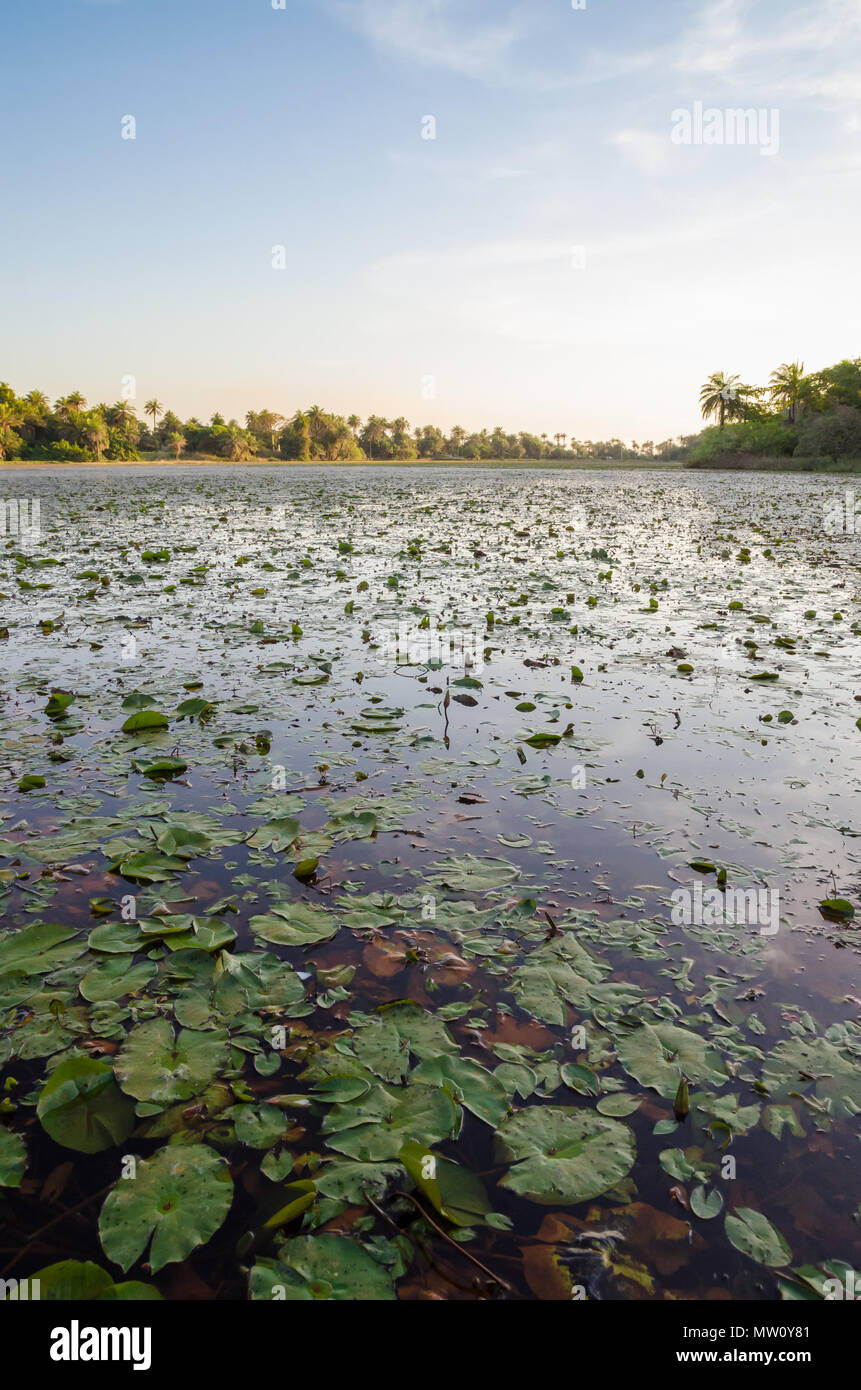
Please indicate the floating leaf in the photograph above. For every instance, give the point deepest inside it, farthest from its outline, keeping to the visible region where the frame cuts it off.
(455, 1192)
(78, 1281)
(563, 1156)
(157, 1066)
(326, 1267)
(145, 719)
(753, 1234)
(179, 1198)
(13, 1158)
(82, 1108)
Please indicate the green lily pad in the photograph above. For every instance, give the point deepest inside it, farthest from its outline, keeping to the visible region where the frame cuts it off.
(154, 1065)
(376, 1127)
(753, 1234)
(82, 1108)
(455, 1192)
(837, 910)
(114, 978)
(31, 783)
(37, 949)
(563, 1156)
(295, 924)
(706, 1205)
(145, 719)
(655, 1055)
(163, 769)
(80, 1281)
(13, 1158)
(325, 1267)
(180, 1198)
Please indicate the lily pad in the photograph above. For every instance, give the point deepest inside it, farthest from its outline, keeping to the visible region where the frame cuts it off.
(326, 1267)
(13, 1158)
(563, 1156)
(179, 1198)
(155, 1065)
(82, 1108)
(753, 1234)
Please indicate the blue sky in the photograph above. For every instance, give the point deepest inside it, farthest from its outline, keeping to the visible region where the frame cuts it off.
(434, 279)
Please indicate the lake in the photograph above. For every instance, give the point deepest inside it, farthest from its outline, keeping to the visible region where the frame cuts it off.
(433, 883)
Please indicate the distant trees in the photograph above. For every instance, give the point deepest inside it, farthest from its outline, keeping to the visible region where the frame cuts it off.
(817, 414)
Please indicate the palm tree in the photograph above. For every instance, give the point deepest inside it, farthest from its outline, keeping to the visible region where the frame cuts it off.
(300, 429)
(719, 396)
(95, 433)
(786, 385)
(153, 408)
(355, 423)
(375, 432)
(76, 401)
(458, 435)
(9, 439)
(120, 414)
(37, 404)
(176, 440)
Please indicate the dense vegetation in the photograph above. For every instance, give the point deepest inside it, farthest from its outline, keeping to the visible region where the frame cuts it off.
(816, 416)
(70, 432)
(813, 416)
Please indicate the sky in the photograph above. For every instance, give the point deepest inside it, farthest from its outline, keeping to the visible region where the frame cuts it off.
(556, 259)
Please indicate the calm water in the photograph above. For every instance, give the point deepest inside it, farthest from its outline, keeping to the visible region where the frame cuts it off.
(509, 710)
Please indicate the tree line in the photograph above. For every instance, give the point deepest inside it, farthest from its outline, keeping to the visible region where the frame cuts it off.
(806, 415)
(70, 431)
(795, 413)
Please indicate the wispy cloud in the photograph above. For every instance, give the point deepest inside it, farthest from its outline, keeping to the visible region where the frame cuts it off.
(752, 48)
(438, 33)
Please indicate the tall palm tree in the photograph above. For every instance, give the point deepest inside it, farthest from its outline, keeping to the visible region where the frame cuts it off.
(355, 423)
(119, 414)
(300, 429)
(153, 408)
(375, 432)
(75, 401)
(785, 385)
(37, 404)
(719, 396)
(95, 433)
(316, 421)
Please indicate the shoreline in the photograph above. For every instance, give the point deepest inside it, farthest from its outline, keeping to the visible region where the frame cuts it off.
(852, 468)
(569, 464)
